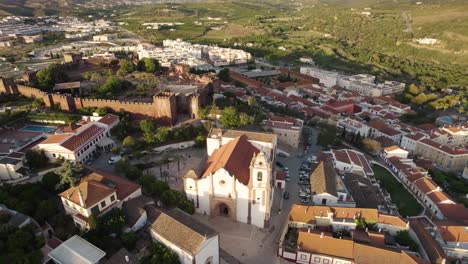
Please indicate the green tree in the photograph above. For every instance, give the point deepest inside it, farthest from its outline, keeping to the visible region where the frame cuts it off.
(413, 89)
(200, 141)
(224, 75)
(112, 85)
(69, 173)
(37, 103)
(45, 79)
(127, 66)
(245, 119)
(148, 126)
(36, 159)
(162, 134)
(50, 181)
(159, 254)
(45, 209)
(92, 221)
(149, 65)
(229, 118)
(129, 142)
(129, 240)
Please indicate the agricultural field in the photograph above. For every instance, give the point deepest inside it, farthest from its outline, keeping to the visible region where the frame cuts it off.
(352, 36)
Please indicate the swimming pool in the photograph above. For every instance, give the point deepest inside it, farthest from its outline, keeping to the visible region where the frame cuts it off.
(36, 128)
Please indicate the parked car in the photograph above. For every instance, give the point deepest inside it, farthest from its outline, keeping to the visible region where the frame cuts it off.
(286, 195)
(305, 200)
(288, 179)
(281, 154)
(182, 147)
(279, 164)
(114, 159)
(286, 169)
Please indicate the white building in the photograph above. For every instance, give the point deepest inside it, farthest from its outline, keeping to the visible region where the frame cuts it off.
(327, 78)
(105, 37)
(327, 187)
(193, 241)
(81, 144)
(408, 141)
(348, 160)
(13, 166)
(76, 250)
(237, 180)
(395, 151)
(97, 194)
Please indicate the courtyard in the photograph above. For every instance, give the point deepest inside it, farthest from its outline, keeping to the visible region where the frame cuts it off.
(406, 203)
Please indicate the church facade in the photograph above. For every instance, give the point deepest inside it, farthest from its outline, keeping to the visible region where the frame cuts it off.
(236, 180)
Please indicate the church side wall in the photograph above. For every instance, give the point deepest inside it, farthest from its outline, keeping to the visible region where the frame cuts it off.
(242, 202)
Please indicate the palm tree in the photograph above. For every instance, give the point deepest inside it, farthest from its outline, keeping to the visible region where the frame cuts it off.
(178, 158)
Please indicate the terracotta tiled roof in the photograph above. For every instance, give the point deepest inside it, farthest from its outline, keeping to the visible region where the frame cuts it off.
(307, 214)
(325, 244)
(444, 148)
(92, 192)
(425, 185)
(109, 119)
(392, 220)
(97, 186)
(55, 139)
(392, 148)
(255, 136)
(77, 141)
(235, 157)
(323, 179)
(455, 212)
(438, 197)
(124, 187)
(452, 231)
(433, 249)
(181, 230)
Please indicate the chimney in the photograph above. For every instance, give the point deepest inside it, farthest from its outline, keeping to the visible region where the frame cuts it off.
(308, 230)
(80, 195)
(367, 230)
(321, 235)
(127, 259)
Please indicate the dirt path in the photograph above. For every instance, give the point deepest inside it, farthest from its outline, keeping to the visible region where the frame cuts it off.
(408, 29)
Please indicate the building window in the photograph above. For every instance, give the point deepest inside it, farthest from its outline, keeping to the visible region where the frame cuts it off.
(95, 210)
(103, 204)
(317, 259)
(222, 182)
(326, 261)
(303, 257)
(112, 198)
(259, 176)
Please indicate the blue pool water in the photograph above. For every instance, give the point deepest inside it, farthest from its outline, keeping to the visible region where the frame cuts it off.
(35, 128)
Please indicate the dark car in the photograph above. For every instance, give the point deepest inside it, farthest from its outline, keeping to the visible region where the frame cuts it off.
(286, 195)
(279, 164)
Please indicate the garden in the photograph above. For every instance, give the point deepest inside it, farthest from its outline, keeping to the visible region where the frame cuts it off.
(406, 203)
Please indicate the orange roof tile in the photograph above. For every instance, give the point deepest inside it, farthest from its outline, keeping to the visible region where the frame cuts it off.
(234, 157)
(109, 119)
(78, 140)
(327, 245)
(425, 185)
(392, 220)
(452, 231)
(55, 139)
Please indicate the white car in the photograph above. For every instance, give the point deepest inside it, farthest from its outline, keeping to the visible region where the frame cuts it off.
(114, 159)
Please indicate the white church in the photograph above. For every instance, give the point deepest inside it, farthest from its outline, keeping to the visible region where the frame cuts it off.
(236, 181)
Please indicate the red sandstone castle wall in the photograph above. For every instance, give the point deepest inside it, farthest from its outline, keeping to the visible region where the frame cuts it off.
(164, 107)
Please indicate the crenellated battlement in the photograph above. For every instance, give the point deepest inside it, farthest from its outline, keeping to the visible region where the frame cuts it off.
(164, 107)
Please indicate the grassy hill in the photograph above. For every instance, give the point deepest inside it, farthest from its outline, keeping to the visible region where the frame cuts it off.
(338, 34)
